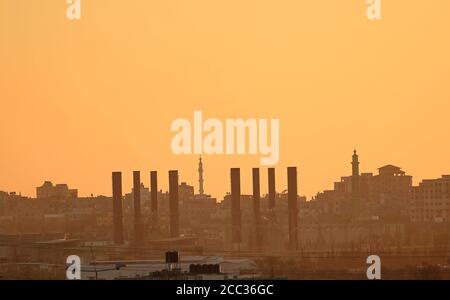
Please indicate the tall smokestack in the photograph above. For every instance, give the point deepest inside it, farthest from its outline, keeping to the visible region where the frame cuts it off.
(154, 197)
(271, 177)
(236, 205)
(138, 233)
(257, 208)
(173, 203)
(117, 208)
(292, 207)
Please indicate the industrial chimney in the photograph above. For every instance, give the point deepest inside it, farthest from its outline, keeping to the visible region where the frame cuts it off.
(257, 208)
(292, 207)
(117, 208)
(154, 197)
(173, 203)
(138, 228)
(236, 206)
(271, 179)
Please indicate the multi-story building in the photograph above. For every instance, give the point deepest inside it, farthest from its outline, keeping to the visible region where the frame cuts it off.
(430, 200)
(386, 193)
(60, 191)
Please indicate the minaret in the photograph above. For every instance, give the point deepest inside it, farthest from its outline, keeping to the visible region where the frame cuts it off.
(355, 164)
(355, 181)
(200, 176)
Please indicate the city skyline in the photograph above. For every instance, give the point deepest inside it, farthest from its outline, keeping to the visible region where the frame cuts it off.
(219, 143)
(201, 190)
(82, 98)
(364, 213)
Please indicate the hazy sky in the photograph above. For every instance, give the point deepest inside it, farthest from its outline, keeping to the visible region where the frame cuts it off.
(80, 99)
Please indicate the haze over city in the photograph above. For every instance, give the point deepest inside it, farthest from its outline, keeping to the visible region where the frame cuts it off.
(334, 79)
(254, 141)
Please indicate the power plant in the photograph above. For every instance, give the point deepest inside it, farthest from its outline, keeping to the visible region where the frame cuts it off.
(258, 233)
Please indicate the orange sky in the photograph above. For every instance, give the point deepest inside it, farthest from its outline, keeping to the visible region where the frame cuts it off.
(81, 99)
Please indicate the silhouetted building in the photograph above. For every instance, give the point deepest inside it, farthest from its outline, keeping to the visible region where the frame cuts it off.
(185, 192)
(430, 201)
(391, 184)
(368, 195)
(60, 191)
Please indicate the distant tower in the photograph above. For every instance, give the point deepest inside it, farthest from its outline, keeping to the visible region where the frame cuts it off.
(292, 207)
(117, 208)
(173, 204)
(200, 176)
(236, 222)
(138, 228)
(355, 181)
